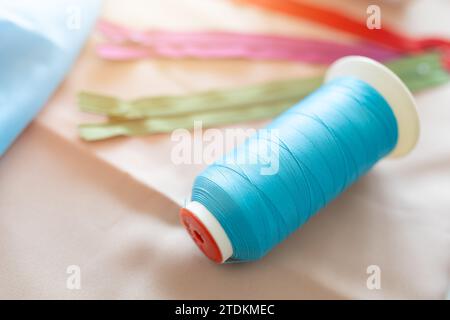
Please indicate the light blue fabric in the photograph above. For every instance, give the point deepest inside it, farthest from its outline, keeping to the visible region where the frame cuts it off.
(39, 40)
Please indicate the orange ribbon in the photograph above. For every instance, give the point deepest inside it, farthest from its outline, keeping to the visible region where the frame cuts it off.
(339, 21)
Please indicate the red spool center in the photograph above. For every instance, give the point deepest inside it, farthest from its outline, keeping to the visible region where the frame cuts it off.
(201, 236)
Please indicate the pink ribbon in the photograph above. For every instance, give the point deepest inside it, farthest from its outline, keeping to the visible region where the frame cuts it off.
(127, 44)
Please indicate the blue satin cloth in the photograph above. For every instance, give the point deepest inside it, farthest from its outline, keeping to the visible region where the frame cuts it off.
(39, 41)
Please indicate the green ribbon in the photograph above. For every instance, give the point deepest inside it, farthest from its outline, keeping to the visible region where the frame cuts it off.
(217, 100)
(219, 107)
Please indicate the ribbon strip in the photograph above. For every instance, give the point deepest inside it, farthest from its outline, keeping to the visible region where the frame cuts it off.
(214, 108)
(336, 20)
(165, 106)
(126, 44)
(93, 132)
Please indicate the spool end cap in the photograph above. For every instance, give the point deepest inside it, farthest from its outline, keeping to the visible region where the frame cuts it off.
(389, 85)
(201, 236)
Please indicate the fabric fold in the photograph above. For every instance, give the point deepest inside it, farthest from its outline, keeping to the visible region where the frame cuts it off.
(40, 41)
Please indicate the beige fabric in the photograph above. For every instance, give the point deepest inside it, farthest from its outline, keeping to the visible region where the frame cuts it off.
(111, 207)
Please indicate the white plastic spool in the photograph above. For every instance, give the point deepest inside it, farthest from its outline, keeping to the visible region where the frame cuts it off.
(394, 91)
(206, 230)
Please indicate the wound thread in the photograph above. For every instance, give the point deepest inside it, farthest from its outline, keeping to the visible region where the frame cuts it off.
(324, 144)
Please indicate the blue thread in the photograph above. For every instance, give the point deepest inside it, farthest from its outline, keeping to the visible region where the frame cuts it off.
(326, 142)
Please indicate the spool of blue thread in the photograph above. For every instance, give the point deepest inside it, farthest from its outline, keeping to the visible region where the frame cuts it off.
(236, 215)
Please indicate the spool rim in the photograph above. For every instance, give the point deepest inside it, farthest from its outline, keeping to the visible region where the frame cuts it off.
(206, 232)
(394, 91)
